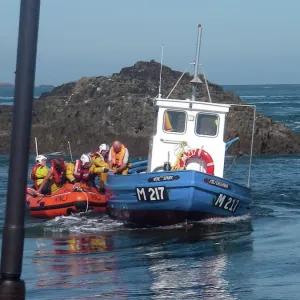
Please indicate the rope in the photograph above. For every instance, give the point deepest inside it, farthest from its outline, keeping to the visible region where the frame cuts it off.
(181, 150)
(178, 151)
(232, 164)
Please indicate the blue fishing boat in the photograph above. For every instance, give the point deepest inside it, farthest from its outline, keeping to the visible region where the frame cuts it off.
(183, 178)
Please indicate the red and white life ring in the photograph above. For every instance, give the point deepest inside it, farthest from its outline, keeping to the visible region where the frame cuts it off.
(204, 155)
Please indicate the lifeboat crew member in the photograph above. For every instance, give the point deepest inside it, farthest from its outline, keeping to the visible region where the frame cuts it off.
(118, 158)
(55, 175)
(100, 160)
(83, 170)
(38, 173)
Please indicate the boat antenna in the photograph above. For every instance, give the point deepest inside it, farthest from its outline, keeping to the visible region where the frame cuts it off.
(70, 150)
(161, 59)
(196, 79)
(36, 147)
(11, 284)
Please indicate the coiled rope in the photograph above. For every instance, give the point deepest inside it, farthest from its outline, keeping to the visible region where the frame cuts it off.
(178, 151)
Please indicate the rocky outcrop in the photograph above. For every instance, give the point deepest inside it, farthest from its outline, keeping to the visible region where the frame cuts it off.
(100, 109)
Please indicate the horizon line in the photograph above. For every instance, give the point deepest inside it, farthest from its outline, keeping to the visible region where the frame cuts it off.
(8, 84)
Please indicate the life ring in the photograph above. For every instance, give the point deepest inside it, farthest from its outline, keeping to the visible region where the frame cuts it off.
(200, 153)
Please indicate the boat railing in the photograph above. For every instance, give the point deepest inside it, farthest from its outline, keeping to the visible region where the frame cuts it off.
(171, 141)
(252, 137)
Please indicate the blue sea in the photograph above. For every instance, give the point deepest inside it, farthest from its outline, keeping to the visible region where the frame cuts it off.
(252, 257)
(7, 94)
(281, 102)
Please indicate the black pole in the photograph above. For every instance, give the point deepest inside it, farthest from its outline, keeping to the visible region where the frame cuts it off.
(11, 285)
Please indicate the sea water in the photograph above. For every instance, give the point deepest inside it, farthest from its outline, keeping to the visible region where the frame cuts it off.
(90, 256)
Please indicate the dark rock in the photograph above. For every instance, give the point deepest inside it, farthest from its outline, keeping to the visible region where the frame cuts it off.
(101, 109)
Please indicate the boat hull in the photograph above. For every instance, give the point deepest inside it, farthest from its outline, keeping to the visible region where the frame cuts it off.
(166, 198)
(65, 201)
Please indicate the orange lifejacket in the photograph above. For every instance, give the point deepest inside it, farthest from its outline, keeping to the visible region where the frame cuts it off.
(117, 158)
(32, 175)
(57, 175)
(80, 173)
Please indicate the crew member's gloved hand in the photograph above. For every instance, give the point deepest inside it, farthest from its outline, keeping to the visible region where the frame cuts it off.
(105, 170)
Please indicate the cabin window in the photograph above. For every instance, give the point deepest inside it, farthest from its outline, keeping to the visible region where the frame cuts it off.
(174, 121)
(207, 124)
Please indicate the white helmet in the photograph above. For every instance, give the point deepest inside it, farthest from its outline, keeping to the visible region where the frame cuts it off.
(85, 158)
(104, 147)
(40, 158)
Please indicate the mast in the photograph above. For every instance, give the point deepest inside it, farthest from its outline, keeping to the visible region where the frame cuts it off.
(11, 285)
(160, 73)
(196, 80)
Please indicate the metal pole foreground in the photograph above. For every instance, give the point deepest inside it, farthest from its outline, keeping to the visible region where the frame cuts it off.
(11, 285)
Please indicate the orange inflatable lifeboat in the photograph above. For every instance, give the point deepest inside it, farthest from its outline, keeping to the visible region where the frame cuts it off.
(65, 201)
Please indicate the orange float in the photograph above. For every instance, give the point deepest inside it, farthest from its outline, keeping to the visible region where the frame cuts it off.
(65, 201)
(198, 153)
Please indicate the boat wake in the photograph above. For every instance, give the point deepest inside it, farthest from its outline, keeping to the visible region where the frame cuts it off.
(88, 223)
(82, 224)
(227, 220)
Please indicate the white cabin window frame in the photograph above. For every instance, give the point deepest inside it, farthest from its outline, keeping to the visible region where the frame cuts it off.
(207, 114)
(155, 123)
(185, 121)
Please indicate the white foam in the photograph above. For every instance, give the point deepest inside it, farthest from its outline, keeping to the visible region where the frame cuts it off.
(6, 98)
(226, 220)
(82, 223)
(85, 223)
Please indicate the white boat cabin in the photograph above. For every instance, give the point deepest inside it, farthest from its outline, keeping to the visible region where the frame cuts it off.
(200, 124)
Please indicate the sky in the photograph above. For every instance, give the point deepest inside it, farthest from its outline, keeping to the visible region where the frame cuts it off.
(243, 42)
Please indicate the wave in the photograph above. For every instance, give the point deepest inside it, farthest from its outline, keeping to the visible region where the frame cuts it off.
(271, 102)
(271, 96)
(9, 100)
(77, 223)
(6, 98)
(227, 220)
(5, 103)
(11, 97)
(250, 97)
(93, 223)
